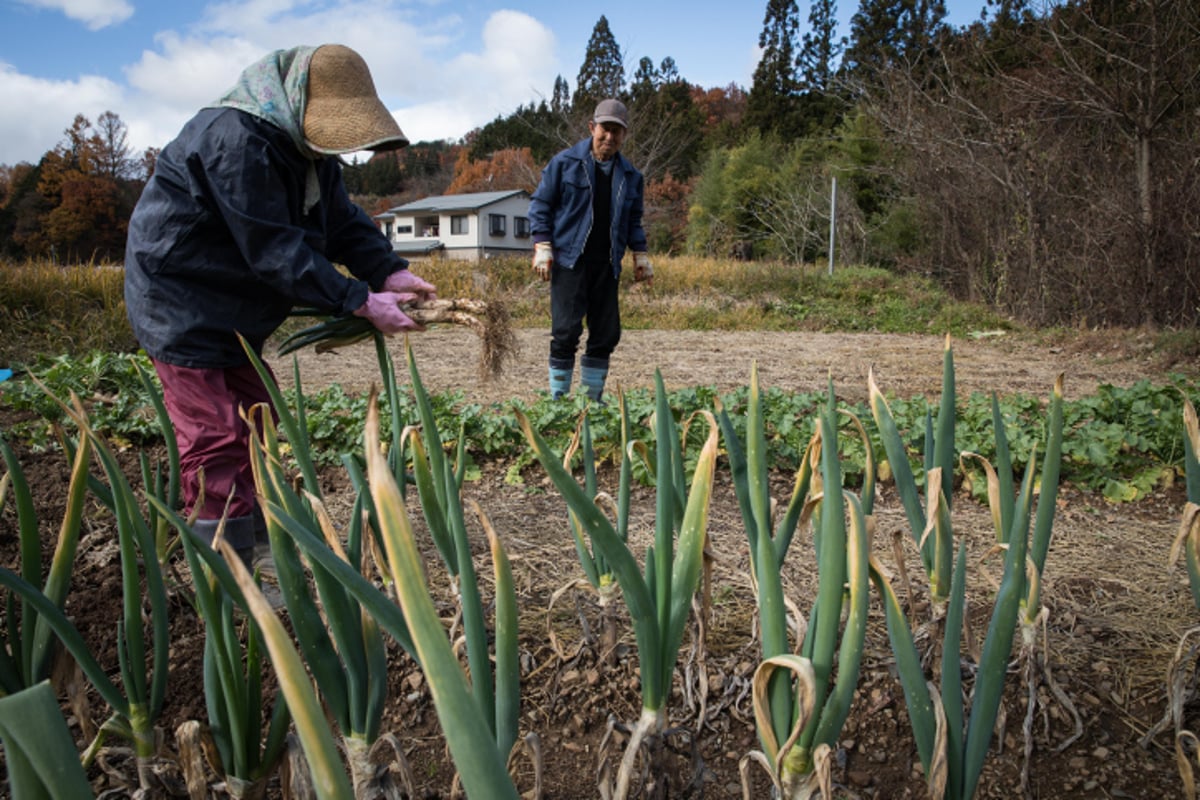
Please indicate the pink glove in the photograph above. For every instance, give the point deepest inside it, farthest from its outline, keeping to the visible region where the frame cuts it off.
(383, 310)
(404, 282)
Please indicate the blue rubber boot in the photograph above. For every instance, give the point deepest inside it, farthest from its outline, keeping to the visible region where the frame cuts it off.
(592, 374)
(560, 381)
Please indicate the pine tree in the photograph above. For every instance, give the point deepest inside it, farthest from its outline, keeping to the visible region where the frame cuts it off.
(603, 71)
(922, 22)
(874, 34)
(645, 81)
(885, 32)
(773, 95)
(667, 126)
(668, 71)
(560, 101)
(535, 128)
(1008, 11)
(820, 47)
(820, 107)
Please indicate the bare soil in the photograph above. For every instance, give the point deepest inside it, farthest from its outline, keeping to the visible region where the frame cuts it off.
(1115, 611)
(801, 362)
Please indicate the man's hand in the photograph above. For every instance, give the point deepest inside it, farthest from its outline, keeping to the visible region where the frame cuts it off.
(406, 283)
(383, 311)
(543, 259)
(642, 271)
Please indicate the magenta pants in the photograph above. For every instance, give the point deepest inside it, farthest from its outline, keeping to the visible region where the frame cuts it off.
(204, 406)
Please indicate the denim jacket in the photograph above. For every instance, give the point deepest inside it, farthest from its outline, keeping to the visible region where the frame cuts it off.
(560, 211)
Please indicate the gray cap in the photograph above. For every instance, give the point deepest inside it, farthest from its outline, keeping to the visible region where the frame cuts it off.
(611, 111)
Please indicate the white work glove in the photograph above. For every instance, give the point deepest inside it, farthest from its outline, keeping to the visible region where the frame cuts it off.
(543, 259)
(642, 271)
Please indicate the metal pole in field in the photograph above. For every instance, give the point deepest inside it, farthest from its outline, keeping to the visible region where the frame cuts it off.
(832, 221)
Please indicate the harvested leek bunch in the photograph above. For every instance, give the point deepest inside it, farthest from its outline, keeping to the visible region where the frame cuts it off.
(489, 320)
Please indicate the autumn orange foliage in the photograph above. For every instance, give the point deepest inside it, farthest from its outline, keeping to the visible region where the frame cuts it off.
(511, 168)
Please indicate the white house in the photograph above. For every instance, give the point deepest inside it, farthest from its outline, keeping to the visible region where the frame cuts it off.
(468, 227)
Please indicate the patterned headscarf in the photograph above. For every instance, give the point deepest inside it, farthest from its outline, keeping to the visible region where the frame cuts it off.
(274, 89)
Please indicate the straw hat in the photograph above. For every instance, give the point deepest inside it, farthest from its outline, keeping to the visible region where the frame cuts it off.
(342, 113)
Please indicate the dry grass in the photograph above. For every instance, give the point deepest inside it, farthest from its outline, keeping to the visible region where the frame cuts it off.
(50, 308)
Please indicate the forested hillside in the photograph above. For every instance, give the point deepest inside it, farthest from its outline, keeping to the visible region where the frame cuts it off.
(1041, 160)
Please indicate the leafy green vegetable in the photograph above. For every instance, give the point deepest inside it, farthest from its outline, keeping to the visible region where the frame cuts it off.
(1121, 441)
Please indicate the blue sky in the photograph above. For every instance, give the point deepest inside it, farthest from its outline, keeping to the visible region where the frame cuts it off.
(442, 67)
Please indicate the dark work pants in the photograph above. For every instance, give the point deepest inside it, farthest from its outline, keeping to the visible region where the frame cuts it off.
(586, 291)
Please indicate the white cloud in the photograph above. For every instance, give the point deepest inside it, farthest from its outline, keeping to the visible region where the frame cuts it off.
(186, 74)
(393, 42)
(95, 14)
(436, 91)
(437, 120)
(47, 109)
(438, 82)
(751, 64)
(516, 65)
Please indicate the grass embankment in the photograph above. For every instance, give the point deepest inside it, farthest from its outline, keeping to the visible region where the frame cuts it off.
(49, 309)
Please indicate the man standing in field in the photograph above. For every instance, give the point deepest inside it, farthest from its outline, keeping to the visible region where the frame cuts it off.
(243, 219)
(586, 211)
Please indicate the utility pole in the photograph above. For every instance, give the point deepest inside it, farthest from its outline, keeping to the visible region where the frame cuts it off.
(832, 221)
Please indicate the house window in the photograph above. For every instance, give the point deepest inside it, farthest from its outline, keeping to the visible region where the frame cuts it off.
(496, 224)
(458, 225)
(403, 229)
(521, 227)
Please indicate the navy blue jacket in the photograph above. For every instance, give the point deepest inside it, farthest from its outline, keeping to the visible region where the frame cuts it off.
(560, 211)
(219, 242)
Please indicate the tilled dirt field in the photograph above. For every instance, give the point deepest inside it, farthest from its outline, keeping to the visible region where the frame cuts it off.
(906, 365)
(1114, 610)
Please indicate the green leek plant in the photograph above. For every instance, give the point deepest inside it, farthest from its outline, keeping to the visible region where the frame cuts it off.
(339, 629)
(479, 754)
(153, 480)
(329, 780)
(439, 485)
(136, 645)
(27, 647)
(953, 742)
(39, 755)
(1002, 504)
(349, 654)
(495, 677)
(1187, 543)
(296, 531)
(929, 522)
(142, 652)
(800, 705)
(233, 684)
(596, 568)
(341, 640)
(952, 754)
(660, 599)
(1181, 672)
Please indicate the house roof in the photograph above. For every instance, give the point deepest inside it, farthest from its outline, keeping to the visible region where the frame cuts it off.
(417, 247)
(453, 202)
